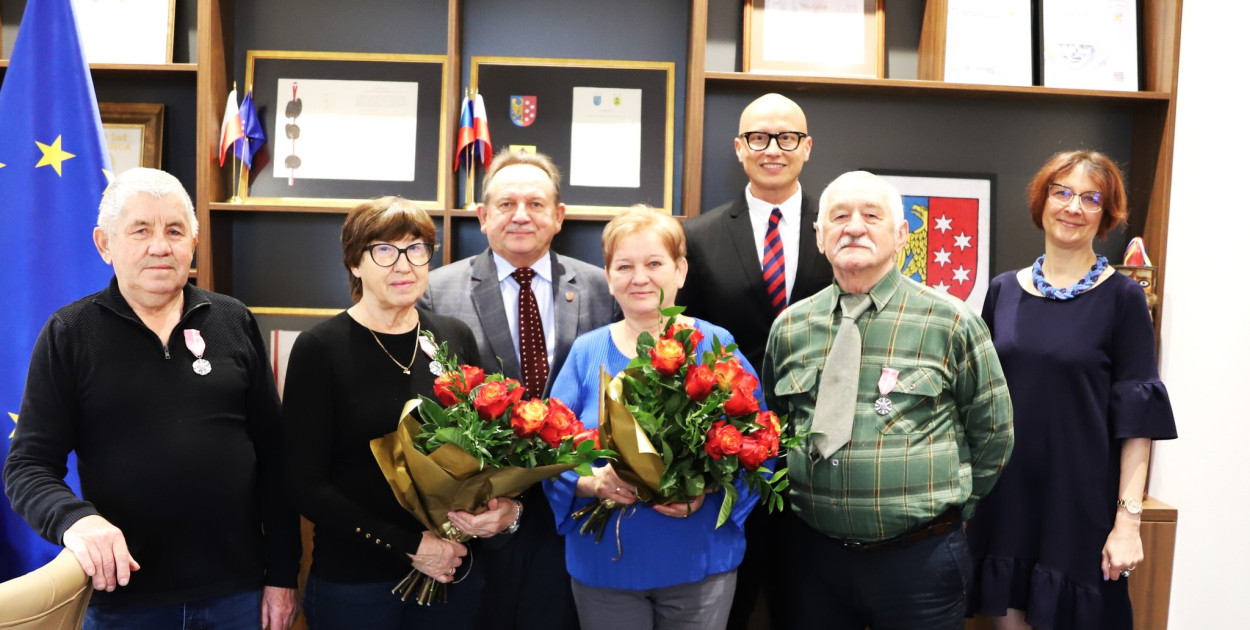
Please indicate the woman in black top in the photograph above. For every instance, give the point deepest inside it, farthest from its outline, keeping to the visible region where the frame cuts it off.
(347, 381)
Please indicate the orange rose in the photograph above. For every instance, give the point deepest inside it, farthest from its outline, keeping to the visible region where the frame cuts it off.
(753, 452)
(742, 399)
(528, 417)
(769, 421)
(473, 376)
(494, 398)
(447, 388)
(561, 423)
(668, 356)
(728, 373)
(723, 439)
(694, 338)
(589, 434)
(699, 382)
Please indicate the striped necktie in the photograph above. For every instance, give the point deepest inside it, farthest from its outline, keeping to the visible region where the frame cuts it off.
(774, 263)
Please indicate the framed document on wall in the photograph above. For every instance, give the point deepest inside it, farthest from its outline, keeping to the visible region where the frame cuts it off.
(608, 125)
(1090, 44)
(126, 31)
(823, 37)
(344, 127)
(134, 134)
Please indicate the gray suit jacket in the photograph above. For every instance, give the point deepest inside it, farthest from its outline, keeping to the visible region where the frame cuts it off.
(468, 290)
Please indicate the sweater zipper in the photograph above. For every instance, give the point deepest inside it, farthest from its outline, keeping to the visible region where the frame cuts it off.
(164, 346)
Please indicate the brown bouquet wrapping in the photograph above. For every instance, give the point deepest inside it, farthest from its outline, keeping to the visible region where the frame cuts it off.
(639, 463)
(447, 480)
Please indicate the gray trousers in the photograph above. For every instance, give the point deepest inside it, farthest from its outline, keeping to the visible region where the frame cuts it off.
(702, 605)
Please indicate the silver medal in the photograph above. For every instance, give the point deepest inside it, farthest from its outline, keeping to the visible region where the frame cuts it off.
(202, 366)
(884, 405)
(436, 368)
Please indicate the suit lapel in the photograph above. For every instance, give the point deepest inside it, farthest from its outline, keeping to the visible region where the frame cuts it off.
(567, 297)
(743, 239)
(488, 302)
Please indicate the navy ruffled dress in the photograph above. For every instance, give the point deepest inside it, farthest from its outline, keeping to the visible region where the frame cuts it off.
(1083, 377)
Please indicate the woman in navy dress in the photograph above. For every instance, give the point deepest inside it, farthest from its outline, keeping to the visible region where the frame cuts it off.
(1060, 534)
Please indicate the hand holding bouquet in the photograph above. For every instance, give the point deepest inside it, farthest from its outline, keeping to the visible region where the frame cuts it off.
(685, 426)
(483, 443)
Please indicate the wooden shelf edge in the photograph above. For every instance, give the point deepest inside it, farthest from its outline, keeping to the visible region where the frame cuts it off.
(168, 69)
(1156, 511)
(896, 87)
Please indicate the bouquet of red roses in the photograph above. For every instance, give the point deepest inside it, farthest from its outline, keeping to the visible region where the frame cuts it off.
(685, 425)
(483, 442)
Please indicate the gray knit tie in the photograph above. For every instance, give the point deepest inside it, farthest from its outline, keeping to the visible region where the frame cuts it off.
(839, 381)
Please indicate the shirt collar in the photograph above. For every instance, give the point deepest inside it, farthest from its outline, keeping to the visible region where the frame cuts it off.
(790, 208)
(541, 267)
(881, 293)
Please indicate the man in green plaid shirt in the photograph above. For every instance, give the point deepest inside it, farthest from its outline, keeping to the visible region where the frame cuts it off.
(877, 539)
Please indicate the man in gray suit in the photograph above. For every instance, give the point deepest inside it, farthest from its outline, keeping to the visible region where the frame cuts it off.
(498, 293)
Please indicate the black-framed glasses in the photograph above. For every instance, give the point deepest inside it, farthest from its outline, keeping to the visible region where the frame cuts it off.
(386, 254)
(786, 140)
(1091, 200)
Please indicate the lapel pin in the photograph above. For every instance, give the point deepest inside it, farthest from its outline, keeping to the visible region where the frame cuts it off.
(568, 297)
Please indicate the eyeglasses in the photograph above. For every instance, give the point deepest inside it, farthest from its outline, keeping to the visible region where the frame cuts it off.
(786, 140)
(386, 255)
(1091, 200)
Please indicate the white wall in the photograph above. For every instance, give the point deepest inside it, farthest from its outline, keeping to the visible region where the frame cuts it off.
(1206, 323)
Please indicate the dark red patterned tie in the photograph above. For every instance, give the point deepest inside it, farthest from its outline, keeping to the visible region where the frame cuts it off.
(533, 344)
(774, 264)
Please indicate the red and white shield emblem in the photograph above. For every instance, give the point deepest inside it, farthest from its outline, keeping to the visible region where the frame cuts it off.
(523, 110)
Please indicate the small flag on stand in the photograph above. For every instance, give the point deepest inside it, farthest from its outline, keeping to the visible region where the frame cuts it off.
(481, 130)
(1135, 253)
(253, 133)
(231, 126)
(465, 139)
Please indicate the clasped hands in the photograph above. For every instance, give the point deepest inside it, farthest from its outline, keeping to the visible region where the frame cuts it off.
(606, 485)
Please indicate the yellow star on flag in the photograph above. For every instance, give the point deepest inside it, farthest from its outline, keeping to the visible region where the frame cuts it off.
(1, 164)
(14, 416)
(53, 155)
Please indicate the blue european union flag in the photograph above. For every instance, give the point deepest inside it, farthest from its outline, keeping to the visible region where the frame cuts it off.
(52, 173)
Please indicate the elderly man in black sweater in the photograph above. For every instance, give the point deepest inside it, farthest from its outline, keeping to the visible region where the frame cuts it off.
(164, 391)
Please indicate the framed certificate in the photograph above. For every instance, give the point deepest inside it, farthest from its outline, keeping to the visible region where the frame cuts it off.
(134, 134)
(126, 31)
(607, 124)
(822, 37)
(1090, 44)
(344, 127)
(977, 41)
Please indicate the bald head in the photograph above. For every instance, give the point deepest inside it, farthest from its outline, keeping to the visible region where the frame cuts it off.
(774, 106)
(774, 172)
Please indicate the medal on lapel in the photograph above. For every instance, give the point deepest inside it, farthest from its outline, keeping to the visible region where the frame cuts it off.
(195, 343)
(885, 385)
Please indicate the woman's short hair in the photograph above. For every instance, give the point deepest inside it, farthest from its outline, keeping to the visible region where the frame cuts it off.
(1096, 166)
(381, 219)
(148, 181)
(638, 218)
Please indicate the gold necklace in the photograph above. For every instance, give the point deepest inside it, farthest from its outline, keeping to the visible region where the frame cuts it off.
(416, 342)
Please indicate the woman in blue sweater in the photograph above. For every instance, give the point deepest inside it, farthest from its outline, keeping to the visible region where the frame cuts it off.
(677, 570)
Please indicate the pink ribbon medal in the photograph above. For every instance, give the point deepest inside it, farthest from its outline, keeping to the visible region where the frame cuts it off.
(885, 385)
(426, 342)
(195, 343)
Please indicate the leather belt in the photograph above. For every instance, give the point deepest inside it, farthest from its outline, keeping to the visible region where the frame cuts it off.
(950, 519)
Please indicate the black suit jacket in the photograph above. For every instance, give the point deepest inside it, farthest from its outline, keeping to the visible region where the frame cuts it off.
(725, 284)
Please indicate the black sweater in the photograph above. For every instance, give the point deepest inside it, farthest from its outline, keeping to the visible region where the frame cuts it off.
(341, 392)
(185, 465)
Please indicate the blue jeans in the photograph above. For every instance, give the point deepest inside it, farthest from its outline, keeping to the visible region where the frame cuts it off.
(237, 610)
(331, 606)
(917, 586)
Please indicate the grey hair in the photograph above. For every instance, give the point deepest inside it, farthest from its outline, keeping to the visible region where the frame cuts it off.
(147, 181)
(892, 197)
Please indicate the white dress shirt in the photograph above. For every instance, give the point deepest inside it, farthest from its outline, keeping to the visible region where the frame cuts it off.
(791, 216)
(541, 284)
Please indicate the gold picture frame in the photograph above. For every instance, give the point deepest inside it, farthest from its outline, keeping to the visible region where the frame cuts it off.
(133, 133)
(554, 84)
(773, 41)
(267, 69)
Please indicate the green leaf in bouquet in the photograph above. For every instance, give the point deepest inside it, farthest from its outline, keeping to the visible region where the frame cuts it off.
(694, 486)
(431, 412)
(727, 504)
(584, 469)
(454, 435)
(666, 452)
(645, 419)
(670, 312)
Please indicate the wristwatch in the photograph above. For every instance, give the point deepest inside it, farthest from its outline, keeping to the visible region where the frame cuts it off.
(1132, 506)
(521, 508)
